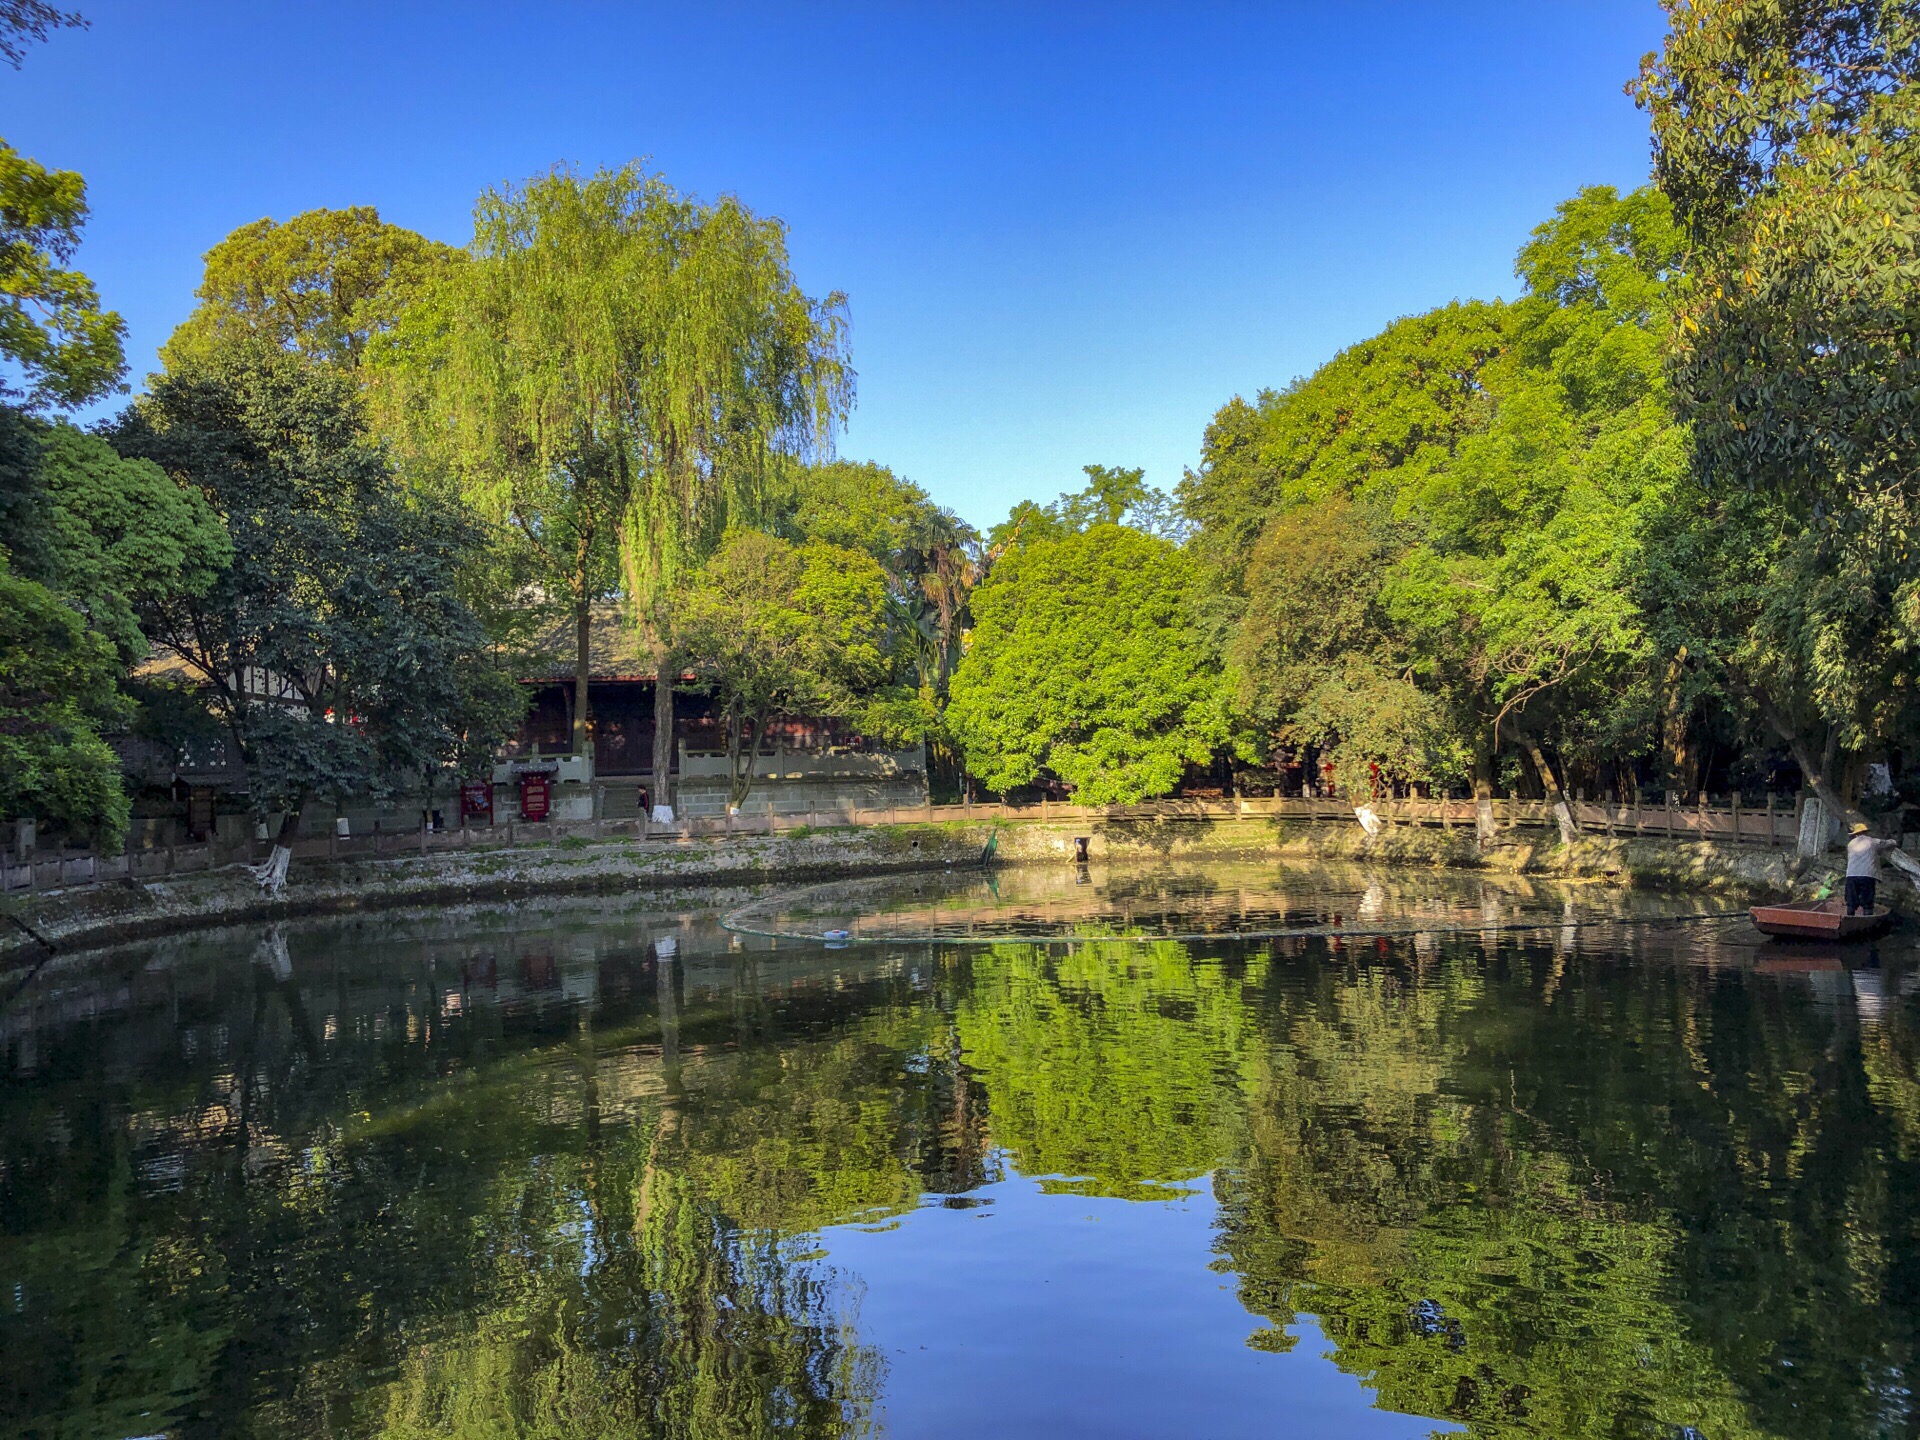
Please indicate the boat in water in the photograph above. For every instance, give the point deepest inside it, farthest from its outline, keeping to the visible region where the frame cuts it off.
(1821, 920)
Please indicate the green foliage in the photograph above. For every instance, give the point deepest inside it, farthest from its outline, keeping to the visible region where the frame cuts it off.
(1111, 496)
(1085, 664)
(620, 361)
(99, 539)
(58, 691)
(67, 349)
(1433, 544)
(776, 630)
(323, 284)
(1785, 135)
(862, 506)
(928, 553)
(125, 536)
(1385, 412)
(341, 599)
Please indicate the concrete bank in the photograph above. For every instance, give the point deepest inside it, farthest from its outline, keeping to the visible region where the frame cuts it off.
(111, 913)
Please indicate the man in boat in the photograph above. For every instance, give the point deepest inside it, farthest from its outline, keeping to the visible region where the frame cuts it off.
(1863, 868)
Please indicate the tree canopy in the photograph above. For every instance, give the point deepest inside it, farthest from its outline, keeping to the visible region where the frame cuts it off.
(611, 373)
(334, 648)
(324, 284)
(1084, 663)
(66, 349)
(776, 630)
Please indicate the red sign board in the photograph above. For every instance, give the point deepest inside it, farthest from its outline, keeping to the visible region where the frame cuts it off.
(536, 796)
(476, 801)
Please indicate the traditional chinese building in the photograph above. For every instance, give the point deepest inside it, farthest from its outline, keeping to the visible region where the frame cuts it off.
(819, 763)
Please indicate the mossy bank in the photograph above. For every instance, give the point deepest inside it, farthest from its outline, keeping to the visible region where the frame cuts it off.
(105, 914)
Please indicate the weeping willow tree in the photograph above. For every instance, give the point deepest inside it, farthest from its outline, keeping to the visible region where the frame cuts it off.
(611, 378)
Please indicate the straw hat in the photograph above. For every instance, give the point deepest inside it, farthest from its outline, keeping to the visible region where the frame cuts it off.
(1859, 828)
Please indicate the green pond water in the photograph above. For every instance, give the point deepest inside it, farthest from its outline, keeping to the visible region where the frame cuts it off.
(1317, 1152)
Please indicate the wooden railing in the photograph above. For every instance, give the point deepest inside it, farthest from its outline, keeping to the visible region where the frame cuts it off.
(1775, 823)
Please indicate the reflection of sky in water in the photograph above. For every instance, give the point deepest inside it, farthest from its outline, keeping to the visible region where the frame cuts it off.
(1074, 1315)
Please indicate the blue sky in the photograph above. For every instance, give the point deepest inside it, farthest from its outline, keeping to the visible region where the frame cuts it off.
(1068, 233)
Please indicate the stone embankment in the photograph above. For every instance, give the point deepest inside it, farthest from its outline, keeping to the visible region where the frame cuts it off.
(110, 913)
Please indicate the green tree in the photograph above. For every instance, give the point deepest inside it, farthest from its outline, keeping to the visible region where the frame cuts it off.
(928, 552)
(1784, 133)
(58, 691)
(776, 630)
(612, 373)
(1431, 548)
(125, 537)
(1112, 496)
(323, 283)
(88, 541)
(66, 348)
(334, 648)
(1085, 665)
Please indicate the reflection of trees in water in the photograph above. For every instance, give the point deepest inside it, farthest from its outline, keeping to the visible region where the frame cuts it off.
(621, 1305)
(1539, 1187)
(1638, 1198)
(1110, 1063)
(528, 1223)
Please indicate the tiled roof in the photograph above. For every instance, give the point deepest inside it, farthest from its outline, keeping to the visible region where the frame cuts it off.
(617, 649)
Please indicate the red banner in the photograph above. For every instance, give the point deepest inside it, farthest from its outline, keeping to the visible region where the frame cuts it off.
(536, 796)
(476, 801)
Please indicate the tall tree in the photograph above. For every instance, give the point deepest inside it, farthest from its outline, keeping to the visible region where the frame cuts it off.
(611, 373)
(1785, 133)
(1084, 664)
(58, 692)
(928, 552)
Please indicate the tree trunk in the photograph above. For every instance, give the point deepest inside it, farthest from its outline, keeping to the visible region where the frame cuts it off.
(1817, 772)
(663, 727)
(1682, 764)
(1556, 797)
(1483, 795)
(743, 745)
(582, 665)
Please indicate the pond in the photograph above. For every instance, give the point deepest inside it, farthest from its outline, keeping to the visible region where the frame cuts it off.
(1228, 1151)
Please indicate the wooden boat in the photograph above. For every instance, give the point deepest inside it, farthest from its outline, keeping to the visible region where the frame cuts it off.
(1820, 920)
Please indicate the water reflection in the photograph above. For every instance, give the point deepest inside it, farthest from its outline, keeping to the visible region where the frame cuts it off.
(536, 1171)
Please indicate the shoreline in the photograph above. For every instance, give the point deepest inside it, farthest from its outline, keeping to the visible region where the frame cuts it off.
(93, 917)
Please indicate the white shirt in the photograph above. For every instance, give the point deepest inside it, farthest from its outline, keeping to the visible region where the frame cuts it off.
(1863, 856)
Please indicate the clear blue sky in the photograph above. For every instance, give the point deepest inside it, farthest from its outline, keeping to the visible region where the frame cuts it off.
(1068, 232)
